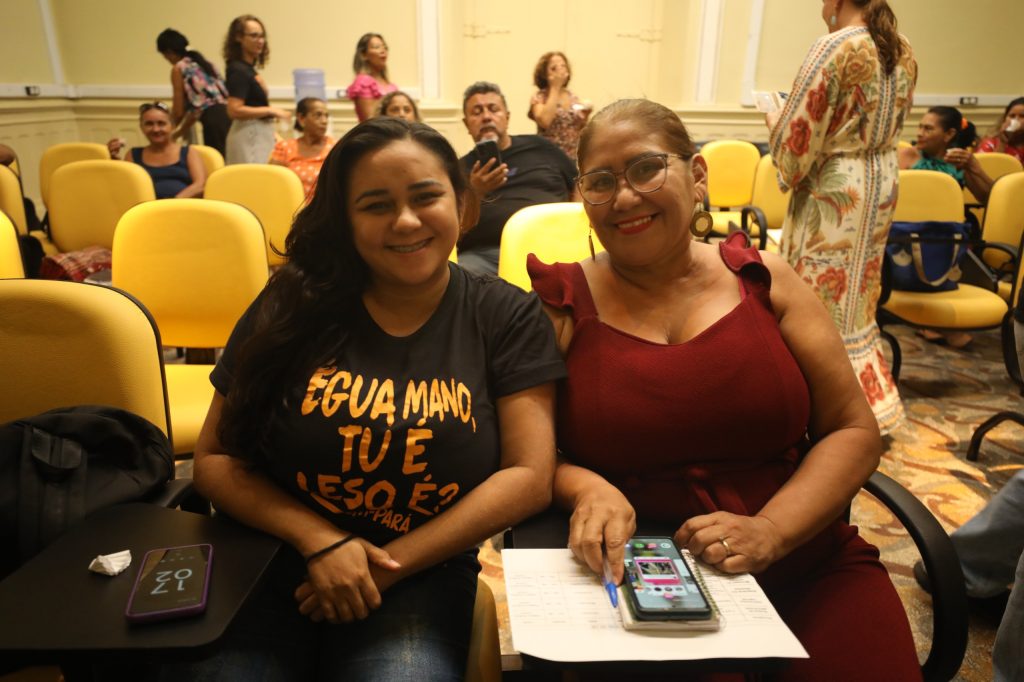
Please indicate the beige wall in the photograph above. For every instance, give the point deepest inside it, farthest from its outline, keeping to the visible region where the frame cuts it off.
(617, 49)
(23, 54)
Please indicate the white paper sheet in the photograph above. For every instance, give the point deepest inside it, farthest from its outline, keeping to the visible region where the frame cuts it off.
(559, 611)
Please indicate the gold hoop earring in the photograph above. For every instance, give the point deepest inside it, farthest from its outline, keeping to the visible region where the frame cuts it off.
(590, 243)
(702, 222)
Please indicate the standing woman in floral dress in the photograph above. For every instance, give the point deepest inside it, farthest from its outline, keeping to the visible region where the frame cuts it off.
(834, 144)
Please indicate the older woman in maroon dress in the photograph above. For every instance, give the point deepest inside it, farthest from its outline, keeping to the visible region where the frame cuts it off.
(708, 388)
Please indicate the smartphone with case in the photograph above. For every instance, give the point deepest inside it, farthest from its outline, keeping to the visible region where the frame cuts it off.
(172, 582)
(659, 585)
(487, 150)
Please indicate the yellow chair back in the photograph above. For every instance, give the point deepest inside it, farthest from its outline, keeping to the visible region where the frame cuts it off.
(767, 196)
(59, 154)
(997, 164)
(15, 167)
(212, 159)
(1004, 217)
(732, 165)
(87, 198)
(928, 195)
(903, 144)
(11, 200)
(273, 193)
(10, 254)
(67, 343)
(555, 233)
(196, 264)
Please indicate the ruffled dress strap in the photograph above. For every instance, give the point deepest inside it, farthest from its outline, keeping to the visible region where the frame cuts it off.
(563, 286)
(745, 261)
(363, 87)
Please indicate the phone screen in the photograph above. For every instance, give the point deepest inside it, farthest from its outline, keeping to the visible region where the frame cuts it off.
(171, 582)
(660, 583)
(487, 150)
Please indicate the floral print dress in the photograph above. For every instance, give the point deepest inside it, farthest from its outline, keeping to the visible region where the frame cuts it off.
(835, 146)
(565, 128)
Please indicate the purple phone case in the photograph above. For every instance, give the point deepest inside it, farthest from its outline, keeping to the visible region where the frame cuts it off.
(166, 614)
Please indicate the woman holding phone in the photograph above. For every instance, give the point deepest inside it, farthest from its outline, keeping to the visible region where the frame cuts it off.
(381, 411)
(560, 115)
(670, 345)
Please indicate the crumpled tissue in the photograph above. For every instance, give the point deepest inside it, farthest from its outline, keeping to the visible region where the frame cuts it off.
(111, 564)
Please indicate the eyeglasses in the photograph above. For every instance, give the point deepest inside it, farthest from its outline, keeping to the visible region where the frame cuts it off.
(644, 175)
(143, 108)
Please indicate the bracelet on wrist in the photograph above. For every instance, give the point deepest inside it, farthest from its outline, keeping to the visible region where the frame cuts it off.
(329, 548)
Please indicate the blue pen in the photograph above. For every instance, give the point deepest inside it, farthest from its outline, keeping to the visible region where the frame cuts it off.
(609, 583)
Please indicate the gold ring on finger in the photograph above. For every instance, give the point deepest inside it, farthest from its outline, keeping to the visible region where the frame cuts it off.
(728, 549)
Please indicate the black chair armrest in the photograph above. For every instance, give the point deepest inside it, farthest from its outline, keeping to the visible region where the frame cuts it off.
(762, 223)
(949, 593)
(180, 492)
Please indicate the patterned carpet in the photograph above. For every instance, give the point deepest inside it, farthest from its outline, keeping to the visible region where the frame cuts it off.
(946, 393)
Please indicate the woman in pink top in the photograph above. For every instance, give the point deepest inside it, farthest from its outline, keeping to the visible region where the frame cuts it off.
(370, 65)
(1010, 138)
(305, 154)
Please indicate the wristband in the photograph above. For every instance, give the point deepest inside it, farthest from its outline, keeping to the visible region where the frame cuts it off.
(329, 548)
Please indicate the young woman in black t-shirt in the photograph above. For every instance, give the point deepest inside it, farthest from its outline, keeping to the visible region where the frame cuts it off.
(381, 411)
(251, 136)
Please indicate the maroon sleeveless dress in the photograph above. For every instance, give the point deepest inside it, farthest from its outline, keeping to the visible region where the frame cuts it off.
(719, 423)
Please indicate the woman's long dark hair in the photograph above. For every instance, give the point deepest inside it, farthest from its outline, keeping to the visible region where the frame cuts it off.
(303, 318)
(950, 118)
(171, 41)
(881, 23)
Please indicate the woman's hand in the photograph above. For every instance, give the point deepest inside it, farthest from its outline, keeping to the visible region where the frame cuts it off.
(487, 178)
(340, 587)
(601, 523)
(283, 114)
(114, 147)
(961, 158)
(751, 543)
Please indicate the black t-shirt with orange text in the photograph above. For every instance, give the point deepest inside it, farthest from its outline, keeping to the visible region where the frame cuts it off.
(397, 429)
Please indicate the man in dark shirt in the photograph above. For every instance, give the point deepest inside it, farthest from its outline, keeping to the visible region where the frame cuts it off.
(532, 171)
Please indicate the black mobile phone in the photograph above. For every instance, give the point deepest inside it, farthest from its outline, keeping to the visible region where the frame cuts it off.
(172, 583)
(487, 150)
(659, 584)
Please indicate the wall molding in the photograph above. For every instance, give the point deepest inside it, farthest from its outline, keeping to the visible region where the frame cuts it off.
(712, 12)
(754, 30)
(429, 28)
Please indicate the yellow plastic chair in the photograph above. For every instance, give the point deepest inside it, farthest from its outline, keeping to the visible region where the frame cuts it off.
(68, 343)
(12, 200)
(903, 144)
(12, 203)
(768, 205)
(931, 195)
(555, 233)
(484, 661)
(1003, 228)
(273, 193)
(87, 198)
(15, 167)
(59, 154)
(10, 253)
(212, 159)
(732, 167)
(196, 264)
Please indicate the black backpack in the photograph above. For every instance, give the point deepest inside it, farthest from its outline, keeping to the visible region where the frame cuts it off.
(58, 467)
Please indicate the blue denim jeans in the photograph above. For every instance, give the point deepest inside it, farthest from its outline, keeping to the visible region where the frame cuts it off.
(420, 632)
